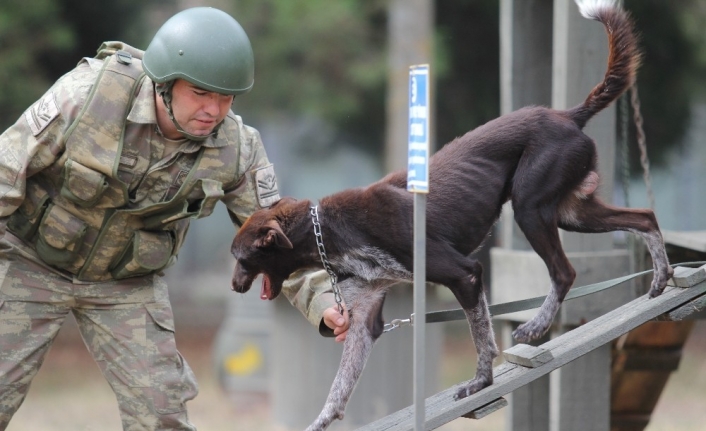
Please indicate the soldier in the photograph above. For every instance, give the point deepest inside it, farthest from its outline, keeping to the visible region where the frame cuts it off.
(98, 182)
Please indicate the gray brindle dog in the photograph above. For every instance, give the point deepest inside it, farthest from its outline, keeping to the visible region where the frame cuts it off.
(537, 157)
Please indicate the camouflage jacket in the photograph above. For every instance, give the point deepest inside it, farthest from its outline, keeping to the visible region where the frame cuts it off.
(86, 184)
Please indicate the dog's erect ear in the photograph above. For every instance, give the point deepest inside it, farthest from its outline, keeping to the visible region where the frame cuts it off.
(271, 234)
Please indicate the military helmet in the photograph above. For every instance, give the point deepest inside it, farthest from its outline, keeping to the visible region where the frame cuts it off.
(204, 46)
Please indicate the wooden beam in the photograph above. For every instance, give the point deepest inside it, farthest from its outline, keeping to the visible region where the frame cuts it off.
(687, 277)
(487, 409)
(695, 309)
(527, 356)
(441, 408)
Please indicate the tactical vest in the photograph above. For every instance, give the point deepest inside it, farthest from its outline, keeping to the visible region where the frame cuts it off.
(77, 213)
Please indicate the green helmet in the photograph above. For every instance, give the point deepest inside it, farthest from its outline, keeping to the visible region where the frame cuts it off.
(204, 46)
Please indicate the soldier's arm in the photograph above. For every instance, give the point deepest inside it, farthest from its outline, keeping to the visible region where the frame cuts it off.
(27, 147)
(310, 292)
(256, 187)
(36, 139)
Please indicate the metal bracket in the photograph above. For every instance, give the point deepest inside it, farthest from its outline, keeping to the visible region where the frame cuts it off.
(398, 323)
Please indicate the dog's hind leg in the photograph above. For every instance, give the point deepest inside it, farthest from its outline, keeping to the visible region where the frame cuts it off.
(463, 276)
(540, 227)
(590, 215)
(365, 308)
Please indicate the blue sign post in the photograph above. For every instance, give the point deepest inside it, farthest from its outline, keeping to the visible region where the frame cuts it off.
(418, 183)
(418, 149)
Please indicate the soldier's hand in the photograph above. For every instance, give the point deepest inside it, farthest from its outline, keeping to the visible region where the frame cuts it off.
(339, 323)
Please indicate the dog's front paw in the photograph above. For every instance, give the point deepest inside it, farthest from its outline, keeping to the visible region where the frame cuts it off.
(318, 425)
(655, 291)
(660, 281)
(471, 388)
(326, 417)
(529, 331)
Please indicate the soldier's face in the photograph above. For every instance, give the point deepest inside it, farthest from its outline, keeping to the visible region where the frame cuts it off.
(198, 111)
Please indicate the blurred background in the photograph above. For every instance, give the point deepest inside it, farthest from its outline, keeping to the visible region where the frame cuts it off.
(322, 103)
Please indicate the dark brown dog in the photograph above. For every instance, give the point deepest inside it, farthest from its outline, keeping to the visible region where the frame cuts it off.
(537, 157)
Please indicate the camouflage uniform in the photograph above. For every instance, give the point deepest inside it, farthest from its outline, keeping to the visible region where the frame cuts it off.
(94, 209)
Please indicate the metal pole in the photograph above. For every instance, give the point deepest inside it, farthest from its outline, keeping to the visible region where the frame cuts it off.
(420, 243)
(418, 183)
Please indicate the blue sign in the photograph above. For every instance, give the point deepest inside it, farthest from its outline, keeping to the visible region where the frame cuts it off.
(418, 148)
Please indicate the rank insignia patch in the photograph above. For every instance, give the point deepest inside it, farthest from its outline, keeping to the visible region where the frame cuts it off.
(42, 113)
(266, 184)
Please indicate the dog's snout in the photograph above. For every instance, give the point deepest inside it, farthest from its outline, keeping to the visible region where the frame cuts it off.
(239, 288)
(241, 280)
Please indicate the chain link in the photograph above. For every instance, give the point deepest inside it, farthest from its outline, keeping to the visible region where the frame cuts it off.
(398, 323)
(635, 100)
(324, 259)
(624, 112)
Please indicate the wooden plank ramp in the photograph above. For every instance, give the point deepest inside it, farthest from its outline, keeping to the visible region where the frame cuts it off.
(441, 407)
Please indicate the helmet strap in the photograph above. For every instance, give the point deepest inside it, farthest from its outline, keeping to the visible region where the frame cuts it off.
(165, 92)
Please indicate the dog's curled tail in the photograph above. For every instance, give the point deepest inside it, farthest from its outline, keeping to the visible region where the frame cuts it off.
(623, 59)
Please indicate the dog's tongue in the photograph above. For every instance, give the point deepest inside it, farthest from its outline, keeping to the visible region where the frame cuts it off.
(266, 291)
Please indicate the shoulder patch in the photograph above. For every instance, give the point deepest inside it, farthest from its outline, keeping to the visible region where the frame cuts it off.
(266, 185)
(42, 113)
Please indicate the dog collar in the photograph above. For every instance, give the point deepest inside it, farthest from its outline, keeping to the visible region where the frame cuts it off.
(314, 210)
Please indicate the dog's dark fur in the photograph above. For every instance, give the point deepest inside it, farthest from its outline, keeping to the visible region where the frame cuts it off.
(536, 157)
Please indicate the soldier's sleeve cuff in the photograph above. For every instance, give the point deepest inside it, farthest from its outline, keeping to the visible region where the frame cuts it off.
(319, 304)
(310, 292)
(325, 330)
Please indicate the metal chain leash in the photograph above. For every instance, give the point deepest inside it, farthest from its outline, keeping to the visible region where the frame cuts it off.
(625, 147)
(398, 323)
(324, 259)
(644, 161)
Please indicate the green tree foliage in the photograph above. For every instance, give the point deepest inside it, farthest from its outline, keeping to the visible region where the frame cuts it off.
(318, 57)
(467, 64)
(328, 59)
(40, 40)
(93, 22)
(27, 35)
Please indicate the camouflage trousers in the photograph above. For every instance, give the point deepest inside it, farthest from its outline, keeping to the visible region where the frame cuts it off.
(126, 325)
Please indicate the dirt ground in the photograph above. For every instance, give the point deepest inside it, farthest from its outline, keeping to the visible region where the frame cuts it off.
(70, 394)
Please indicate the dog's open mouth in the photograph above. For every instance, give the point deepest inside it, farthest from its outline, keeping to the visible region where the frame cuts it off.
(266, 291)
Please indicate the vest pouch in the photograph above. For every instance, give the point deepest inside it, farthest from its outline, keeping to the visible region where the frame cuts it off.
(60, 237)
(82, 186)
(161, 218)
(213, 192)
(146, 253)
(24, 222)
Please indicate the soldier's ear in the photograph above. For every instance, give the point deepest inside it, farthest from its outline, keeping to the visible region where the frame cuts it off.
(271, 235)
